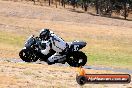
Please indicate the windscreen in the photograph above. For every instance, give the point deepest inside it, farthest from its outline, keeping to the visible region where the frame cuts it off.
(30, 41)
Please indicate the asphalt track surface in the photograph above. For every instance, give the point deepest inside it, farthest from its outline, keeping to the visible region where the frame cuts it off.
(128, 71)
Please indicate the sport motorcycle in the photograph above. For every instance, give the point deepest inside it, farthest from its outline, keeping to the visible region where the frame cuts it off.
(74, 57)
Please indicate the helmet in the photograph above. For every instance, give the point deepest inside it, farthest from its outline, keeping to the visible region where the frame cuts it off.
(44, 34)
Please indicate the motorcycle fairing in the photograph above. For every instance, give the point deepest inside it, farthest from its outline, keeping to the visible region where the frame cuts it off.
(76, 45)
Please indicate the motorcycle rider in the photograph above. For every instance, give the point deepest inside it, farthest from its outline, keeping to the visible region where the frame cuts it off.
(52, 41)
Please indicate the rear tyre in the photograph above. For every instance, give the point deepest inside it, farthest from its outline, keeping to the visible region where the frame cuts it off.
(77, 59)
(27, 55)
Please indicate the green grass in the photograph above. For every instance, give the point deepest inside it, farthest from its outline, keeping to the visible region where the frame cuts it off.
(113, 52)
(110, 53)
(110, 59)
(15, 40)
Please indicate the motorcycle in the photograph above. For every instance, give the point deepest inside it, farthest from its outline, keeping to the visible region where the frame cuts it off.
(74, 57)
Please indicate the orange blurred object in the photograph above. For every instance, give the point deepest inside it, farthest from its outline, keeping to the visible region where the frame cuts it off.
(82, 71)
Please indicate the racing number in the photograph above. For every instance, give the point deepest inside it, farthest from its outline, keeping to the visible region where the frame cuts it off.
(76, 47)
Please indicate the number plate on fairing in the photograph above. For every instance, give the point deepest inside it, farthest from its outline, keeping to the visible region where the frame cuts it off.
(76, 47)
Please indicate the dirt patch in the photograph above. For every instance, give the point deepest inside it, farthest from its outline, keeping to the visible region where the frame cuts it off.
(55, 14)
(37, 75)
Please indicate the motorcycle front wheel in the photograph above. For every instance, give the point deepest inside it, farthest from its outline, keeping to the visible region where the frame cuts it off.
(27, 55)
(77, 59)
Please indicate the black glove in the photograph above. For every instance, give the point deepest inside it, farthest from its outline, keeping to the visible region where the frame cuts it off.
(37, 48)
(43, 45)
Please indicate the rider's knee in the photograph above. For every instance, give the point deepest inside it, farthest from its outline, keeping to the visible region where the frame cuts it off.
(49, 62)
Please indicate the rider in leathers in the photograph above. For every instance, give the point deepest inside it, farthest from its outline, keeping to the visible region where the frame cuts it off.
(54, 42)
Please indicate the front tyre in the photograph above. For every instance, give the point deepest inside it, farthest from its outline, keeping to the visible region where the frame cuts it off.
(77, 59)
(27, 55)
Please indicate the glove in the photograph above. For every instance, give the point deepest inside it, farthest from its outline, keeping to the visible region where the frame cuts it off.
(37, 48)
(43, 45)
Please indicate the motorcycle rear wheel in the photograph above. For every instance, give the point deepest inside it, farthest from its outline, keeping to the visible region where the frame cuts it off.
(77, 59)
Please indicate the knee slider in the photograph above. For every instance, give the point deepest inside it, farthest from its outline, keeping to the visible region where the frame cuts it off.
(50, 63)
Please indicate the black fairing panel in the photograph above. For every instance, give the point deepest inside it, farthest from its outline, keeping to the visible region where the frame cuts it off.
(80, 44)
(29, 42)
